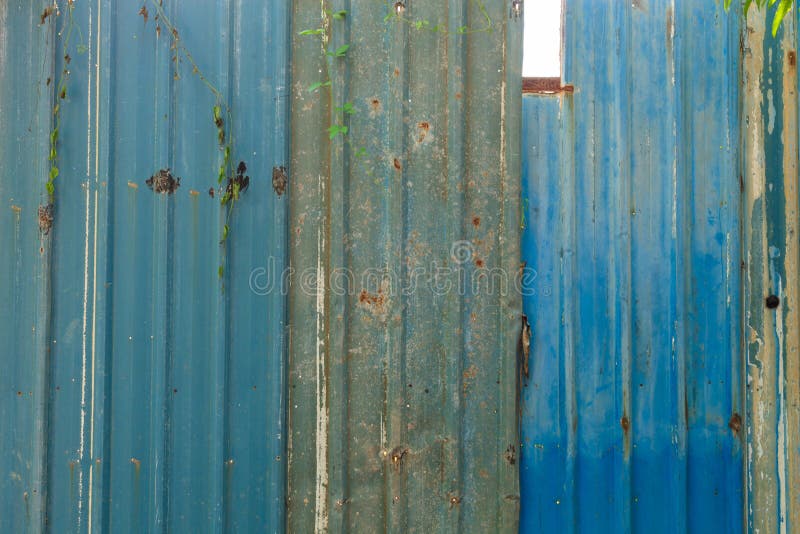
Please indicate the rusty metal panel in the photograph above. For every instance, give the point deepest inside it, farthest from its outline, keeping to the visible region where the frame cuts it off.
(143, 385)
(633, 409)
(402, 382)
(770, 161)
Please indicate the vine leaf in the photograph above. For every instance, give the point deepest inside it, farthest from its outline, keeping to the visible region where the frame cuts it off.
(314, 86)
(337, 129)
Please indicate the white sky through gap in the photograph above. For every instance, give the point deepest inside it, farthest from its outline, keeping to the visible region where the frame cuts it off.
(541, 55)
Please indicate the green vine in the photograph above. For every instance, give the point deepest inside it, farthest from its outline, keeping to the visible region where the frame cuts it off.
(231, 181)
(396, 13)
(48, 15)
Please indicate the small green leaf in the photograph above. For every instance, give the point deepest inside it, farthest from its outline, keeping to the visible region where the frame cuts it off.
(220, 271)
(780, 13)
(337, 129)
(361, 152)
(225, 230)
(388, 17)
(217, 113)
(50, 188)
(339, 15)
(318, 31)
(314, 86)
(53, 154)
(53, 172)
(462, 29)
(82, 49)
(342, 50)
(54, 136)
(727, 4)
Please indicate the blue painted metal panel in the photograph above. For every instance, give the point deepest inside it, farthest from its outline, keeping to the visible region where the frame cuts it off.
(632, 408)
(144, 391)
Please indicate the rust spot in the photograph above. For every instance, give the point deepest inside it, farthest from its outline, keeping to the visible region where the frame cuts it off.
(735, 423)
(144, 13)
(468, 376)
(476, 221)
(46, 14)
(45, 216)
(136, 463)
(16, 209)
(279, 180)
(396, 73)
(458, 96)
(525, 345)
(479, 263)
(511, 455)
(193, 192)
(545, 85)
(397, 164)
(163, 182)
(211, 192)
(670, 29)
(792, 58)
(625, 423)
(375, 105)
(455, 500)
(19, 393)
(424, 127)
(397, 455)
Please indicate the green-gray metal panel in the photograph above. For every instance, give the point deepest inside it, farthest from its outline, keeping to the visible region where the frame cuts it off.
(402, 400)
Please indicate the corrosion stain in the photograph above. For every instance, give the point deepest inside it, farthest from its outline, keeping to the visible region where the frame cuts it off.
(455, 500)
(792, 58)
(625, 423)
(458, 96)
(376, 303)
(479, 263)
(396, 73)
(45, 216)
(735, 423)
(476, 221)
(279, 180)
(397, 164)
(424, 128)
(374, 107)
(511, 455)
(525, 345)
(397, 455)
(163, 182)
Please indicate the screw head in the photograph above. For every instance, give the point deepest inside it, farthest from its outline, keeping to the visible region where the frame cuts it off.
(772, 302)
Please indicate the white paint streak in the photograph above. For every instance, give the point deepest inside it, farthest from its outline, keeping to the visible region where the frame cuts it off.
(321, 509)
(94, 265)
(86, 260)
(782, 474)
(770, 111)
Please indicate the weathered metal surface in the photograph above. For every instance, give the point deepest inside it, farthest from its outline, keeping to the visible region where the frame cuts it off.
(769, 144)
(138, 393)
(633, 412)
(402, 410)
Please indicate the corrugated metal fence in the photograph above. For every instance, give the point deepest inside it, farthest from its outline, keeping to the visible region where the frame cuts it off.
(143, 345)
